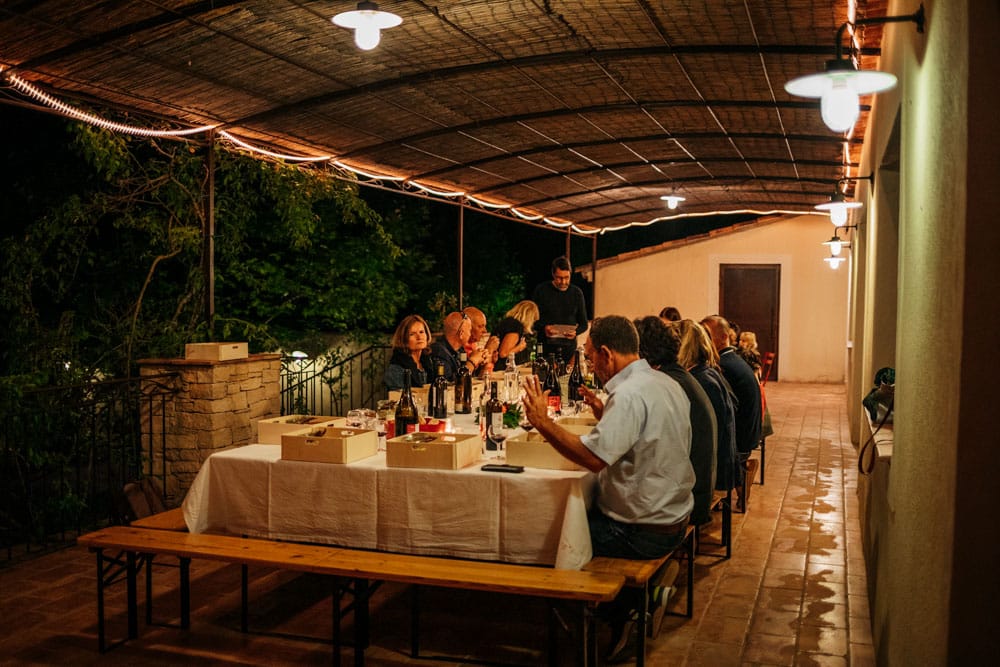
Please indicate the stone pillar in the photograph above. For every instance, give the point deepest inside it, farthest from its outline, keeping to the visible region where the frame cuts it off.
(217, 406)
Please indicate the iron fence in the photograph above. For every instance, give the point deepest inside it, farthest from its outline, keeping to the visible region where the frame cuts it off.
(66, 453)
(331, 386)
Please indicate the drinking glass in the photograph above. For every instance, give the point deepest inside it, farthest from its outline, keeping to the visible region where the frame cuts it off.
(355, 419)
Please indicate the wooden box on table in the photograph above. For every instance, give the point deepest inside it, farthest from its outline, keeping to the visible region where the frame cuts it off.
(269, 431)
(532, 450)
(329, 444)
(440, 451)
(216, 351)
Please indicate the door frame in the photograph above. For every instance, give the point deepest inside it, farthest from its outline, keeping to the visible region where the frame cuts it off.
(715, 263)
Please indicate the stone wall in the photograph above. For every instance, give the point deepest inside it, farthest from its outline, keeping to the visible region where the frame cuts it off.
(217, 406)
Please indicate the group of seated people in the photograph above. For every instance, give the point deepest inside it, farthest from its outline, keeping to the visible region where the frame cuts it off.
(413, 348)
(680, 417)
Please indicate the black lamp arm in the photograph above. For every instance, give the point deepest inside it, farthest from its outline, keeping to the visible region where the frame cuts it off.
(916, 17)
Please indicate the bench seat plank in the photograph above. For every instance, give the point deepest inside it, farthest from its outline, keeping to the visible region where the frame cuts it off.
(423, 570)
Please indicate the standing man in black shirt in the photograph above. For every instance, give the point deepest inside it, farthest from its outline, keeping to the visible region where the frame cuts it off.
(562, 311)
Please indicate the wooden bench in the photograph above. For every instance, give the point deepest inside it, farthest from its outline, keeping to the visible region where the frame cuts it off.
(584, 588)
(637, 575)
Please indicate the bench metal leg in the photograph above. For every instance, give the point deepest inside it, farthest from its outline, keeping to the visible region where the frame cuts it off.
(133, 606)
(643, 612)
(727, 523)
(147, 559)
(763, 450)
(361, 621)
(338, 598)
(415, 621)
(185, 567)
(244, 594)
(100, 600)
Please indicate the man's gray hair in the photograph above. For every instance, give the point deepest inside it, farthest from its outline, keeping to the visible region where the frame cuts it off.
(616, 332)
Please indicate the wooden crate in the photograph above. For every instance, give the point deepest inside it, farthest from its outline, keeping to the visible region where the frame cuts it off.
(329, 444)
(215, 351)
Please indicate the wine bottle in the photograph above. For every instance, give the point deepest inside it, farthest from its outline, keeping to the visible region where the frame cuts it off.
(551, 384)
(431, 389)
(406, 409)
(538, 366)
(575, 379)
(463, 386)
(494, 420)
(439, 409)
(510, 385)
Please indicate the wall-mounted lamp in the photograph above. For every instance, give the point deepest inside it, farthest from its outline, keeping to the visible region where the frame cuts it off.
(840, 85)
(672, 201)
(837, 244)
(368, 23)
(838, 206)
(834, 262)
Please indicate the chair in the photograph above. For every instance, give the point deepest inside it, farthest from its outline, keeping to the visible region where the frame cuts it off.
(765, 372)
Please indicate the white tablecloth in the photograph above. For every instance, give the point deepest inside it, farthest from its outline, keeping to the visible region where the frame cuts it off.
(538, 516)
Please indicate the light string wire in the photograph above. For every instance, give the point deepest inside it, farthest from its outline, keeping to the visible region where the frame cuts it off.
(37, 94)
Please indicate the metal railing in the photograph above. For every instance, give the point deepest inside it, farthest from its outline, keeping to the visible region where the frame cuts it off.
(67, 452)
(331, 386)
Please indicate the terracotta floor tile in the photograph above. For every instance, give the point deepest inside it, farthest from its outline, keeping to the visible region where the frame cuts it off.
(779, 578)
(820, 660)
(815, 639)
(824, 614)
(787, 561)
(780, 599)
(707, 654)
(774, 622)
(769, 650)
(862, 655)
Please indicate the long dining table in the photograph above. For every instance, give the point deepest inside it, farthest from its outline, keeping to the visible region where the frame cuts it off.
(536, 517)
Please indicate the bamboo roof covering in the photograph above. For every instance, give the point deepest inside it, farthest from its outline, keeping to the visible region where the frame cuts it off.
(586, 112)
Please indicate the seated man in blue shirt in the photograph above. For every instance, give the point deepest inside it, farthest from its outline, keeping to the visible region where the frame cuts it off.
(457, 328)
(639, 449)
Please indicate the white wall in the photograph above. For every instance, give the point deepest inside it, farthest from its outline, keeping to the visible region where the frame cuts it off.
(813, 309)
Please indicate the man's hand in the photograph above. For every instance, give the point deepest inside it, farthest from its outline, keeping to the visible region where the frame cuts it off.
(591, 399)
(536, 401)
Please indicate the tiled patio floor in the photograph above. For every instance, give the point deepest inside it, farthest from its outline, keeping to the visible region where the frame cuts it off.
(792, 594)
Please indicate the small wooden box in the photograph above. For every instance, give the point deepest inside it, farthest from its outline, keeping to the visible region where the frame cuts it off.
(215, 351)
(440, 451)
(532, 450)
(329, 444)
(578, 420)
(269, 431)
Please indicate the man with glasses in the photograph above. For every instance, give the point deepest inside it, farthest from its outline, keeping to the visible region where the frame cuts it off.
(640, 450)
(562, 311)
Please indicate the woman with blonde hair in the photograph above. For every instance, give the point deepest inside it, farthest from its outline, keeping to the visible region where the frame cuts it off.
(512, 330)
(410, 351)
(698, 356)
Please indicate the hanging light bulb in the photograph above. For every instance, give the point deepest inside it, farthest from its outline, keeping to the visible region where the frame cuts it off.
(672, 201)
(368, 23)
(837, 207)
(839, 106)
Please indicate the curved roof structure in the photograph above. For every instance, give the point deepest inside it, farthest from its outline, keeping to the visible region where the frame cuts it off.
(585, 112)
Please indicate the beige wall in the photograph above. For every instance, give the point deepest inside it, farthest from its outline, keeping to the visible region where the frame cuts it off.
(937, 580)
(813, 309)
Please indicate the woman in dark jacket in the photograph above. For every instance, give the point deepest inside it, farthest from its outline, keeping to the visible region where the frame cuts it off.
(698, 356)
(410, 351)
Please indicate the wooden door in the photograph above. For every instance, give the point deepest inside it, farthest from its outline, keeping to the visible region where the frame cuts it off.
(749, 295)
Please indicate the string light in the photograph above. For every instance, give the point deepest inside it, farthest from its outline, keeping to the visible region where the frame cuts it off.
(32, 91)
(439, 193)
(280, 156)
(36, 93)
(361, 172)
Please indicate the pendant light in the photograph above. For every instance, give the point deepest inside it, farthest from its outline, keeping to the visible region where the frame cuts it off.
(368, 22)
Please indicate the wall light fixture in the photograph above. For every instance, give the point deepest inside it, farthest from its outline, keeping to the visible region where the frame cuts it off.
(840, 85)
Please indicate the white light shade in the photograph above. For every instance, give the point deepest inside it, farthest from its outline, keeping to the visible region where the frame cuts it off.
(367, 22)
(837, 207)
(837, 245)
(839, 107)
(838, 216)
(672, 200)
(839, 87)
(834, 262)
